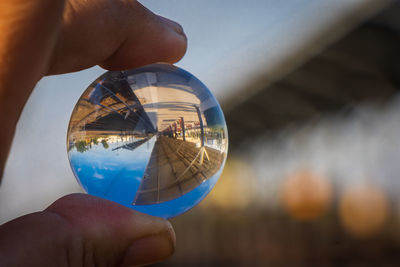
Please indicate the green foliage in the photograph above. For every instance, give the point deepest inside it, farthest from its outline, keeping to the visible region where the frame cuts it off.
(95, 141)
(104, 143)
(81, 146)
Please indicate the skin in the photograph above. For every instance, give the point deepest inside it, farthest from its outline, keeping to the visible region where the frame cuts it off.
(44, 37)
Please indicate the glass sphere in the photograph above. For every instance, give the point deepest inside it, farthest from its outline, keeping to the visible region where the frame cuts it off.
(153, 139)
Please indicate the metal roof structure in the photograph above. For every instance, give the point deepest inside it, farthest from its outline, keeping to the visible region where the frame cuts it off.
(362, 66)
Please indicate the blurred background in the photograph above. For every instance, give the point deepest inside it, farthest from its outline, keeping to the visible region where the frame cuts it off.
(310, 94)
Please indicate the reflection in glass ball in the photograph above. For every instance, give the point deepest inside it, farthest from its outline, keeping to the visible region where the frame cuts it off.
(153, 139)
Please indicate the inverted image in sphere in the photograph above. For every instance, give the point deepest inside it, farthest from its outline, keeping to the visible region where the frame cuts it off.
(153, 139)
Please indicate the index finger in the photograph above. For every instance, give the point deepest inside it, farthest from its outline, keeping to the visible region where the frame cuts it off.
(116, 35)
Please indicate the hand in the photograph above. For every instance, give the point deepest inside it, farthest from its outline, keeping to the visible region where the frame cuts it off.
(43, 37)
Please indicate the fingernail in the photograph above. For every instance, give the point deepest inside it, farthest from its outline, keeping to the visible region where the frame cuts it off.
(172, 24)
(150, 249)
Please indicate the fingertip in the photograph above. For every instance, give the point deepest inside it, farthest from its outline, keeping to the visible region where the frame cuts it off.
(116, 35)
(173, 25)
(114, 229)
(85, 209)
(150, 249)
(163, 41)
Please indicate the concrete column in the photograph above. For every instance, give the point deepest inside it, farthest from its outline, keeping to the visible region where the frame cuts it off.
(201, 125)
(183, 129)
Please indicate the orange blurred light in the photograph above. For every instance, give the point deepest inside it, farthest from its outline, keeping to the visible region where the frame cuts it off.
(306, 195)
(363, 210)
(234, 189)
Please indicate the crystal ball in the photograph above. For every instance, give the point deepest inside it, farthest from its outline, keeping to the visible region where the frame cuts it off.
(153, 139)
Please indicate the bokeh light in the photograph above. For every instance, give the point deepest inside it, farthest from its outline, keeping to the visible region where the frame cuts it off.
(363, 209)
(306, 195)
(236, 187)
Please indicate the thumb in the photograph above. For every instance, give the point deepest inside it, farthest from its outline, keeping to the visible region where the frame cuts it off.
(82, 230)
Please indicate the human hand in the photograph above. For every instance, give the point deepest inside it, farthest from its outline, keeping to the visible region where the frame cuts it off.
(53, 36)
(82, 230)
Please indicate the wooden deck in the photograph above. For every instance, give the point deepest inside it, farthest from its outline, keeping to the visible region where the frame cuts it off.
(175, 168)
